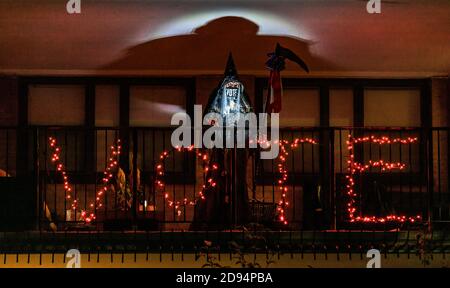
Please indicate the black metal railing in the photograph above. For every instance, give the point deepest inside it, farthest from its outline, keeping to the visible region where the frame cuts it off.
(317, 178)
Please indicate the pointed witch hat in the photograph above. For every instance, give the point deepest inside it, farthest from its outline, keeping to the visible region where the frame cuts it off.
(230, 68)
(224, 105)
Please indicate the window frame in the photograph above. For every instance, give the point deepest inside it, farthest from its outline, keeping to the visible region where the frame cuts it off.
(90, 83)
(358, 85)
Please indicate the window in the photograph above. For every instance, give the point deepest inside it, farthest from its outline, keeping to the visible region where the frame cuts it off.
(299, 107)
(56, 105)
(60, 105)
(153, 106)
(107, 99)
(392, 107)
(341, 115)
(341, 107)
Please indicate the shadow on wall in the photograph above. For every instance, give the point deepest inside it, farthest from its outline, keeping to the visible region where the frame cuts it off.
(208, 46)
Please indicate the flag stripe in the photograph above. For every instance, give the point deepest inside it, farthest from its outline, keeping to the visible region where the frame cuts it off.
(273, 103)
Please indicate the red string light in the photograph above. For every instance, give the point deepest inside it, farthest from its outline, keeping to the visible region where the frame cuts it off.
(209, 183)
(283, 172)
(282, 204)
(353, 167)
(56, 151)
(113, 163)
(356, 167)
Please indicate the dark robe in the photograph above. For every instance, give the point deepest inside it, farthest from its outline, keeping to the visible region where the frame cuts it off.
(226, 205)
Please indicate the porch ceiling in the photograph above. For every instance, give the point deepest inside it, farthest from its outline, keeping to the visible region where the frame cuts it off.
(337, 38)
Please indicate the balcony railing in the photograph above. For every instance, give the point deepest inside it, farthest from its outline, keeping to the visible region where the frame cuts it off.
(317, 183)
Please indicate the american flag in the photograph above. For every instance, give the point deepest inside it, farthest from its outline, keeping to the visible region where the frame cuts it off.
(275, 92)
(276, 64)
